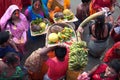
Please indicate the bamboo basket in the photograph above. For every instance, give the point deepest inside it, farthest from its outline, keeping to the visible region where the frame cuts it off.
(62, 25)
(72, 74)
(74, 19)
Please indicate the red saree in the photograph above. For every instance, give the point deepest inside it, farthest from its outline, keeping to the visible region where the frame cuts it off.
(95, 5)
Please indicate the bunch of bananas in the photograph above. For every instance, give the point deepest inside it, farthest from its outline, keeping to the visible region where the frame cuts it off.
(78, 55)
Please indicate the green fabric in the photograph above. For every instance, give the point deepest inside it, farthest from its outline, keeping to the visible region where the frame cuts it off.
(17, 75)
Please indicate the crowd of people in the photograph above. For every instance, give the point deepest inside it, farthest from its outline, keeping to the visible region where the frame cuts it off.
(15, 34)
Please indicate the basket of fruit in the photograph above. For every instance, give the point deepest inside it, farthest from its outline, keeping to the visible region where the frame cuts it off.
(60, 33)
(78, 59)
(65, 16)
(39, 26)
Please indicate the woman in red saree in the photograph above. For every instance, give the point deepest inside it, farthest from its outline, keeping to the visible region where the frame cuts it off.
(103, 71)
(112, 53)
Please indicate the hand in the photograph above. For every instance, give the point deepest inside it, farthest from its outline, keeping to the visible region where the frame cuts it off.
(83, 76)
(106, 8)
(80, 29)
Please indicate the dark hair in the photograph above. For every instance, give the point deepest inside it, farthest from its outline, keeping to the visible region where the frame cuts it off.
(99, 26)
(115, 64)
(85, 1)
(4, 36)
(10, 58)
(60, 52)
(33, 1)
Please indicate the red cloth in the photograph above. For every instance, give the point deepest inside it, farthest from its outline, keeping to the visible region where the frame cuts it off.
(101, 68)
(116, 36)
(4, 4)
(98, 4)
(57, 68)
(110, 54)
(26, 3)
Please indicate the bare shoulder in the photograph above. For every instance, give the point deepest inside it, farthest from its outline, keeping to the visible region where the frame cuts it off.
(79, 7)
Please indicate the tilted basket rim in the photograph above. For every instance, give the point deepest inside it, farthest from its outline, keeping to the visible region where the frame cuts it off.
(68, 25)
(72, 20)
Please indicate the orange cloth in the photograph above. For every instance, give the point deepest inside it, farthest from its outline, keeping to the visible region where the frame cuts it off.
(54, 6)
(66, 4)
(92, 11)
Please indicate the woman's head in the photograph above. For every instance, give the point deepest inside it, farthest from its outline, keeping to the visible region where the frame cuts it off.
(4, 38)
(8, 15)
(85, 1)
(11, 59)
(113, 68)
(36, 4)
(100, 20)
(60, 52)
(99, 26)
(15, 14)
(12, 10)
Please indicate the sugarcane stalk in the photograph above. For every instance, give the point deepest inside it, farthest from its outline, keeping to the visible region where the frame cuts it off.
(91, 17)
(78, 36)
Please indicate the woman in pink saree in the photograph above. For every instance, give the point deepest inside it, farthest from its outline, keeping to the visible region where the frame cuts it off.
(15, 22)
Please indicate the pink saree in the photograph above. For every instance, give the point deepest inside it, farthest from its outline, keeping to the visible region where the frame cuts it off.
(20, 32)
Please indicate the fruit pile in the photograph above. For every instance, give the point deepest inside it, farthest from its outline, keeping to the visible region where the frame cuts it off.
(78, 55)
(65, 15)
(38, 26)
(64, 35)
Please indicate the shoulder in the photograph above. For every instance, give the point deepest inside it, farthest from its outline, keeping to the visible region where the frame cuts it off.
(92, 23)
(80, 6)
(2, 65)
(109, 25)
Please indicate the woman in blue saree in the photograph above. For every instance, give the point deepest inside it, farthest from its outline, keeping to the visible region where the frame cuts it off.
(38, 9)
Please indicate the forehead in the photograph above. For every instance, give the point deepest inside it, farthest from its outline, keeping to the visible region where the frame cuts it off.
(16, 11)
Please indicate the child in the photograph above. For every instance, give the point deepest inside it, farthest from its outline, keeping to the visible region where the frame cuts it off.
(58, 65)
(6, 44)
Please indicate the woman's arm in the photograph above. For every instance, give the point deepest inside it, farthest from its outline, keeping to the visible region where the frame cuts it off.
(24, 37)
(27, 14)
(44, 4)
(44, 51)
(11, 42)
(92, 70)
